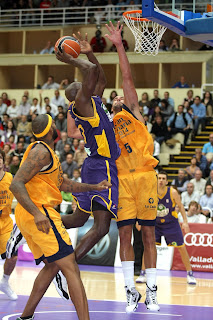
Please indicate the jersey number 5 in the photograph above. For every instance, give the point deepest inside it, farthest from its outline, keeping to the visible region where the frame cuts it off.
(128, 148)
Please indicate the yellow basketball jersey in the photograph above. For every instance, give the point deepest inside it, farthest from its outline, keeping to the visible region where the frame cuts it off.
(43, 188)
(6, 196)
(135, 142)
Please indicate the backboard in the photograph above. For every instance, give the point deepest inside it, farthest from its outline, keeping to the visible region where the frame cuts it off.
(191, 18)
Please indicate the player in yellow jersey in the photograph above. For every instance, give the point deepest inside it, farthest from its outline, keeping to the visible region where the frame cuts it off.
(137, 181)
(6, 226)
(37, 186)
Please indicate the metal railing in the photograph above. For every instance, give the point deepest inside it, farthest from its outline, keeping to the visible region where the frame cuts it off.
(79, 15)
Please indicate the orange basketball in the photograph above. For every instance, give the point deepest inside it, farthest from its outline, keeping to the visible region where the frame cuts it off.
(70, 45)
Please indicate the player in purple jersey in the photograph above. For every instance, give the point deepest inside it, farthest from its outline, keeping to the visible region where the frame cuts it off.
(89, 118)
(167, 224)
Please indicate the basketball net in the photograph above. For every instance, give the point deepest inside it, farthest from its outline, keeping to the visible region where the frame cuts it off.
(147, 33)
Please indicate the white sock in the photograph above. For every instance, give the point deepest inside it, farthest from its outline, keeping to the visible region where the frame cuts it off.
(128, 272)
(5, 278)
(151, 274)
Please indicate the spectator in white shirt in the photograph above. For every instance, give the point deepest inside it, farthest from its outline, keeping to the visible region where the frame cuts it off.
(12, 110)
(36, 108)
(189, 195)
(206, 201)
(58, 100)
(198, 182)
(193, 215)
(3, 106)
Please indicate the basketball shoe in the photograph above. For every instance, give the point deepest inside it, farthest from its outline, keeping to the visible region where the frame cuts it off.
(5, 287)
(151, 299)
(190, 278)
(133, 297)
(15, 241)
(30, 318)
(142, 277)
(60, 283)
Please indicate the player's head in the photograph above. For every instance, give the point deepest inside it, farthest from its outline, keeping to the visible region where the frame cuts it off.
(72, 90)
(117, 103)
(162, 179)
(2, 158)
(44, 128)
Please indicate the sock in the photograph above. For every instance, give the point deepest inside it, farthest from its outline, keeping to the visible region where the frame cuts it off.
(128, 272)
(151, 274)
(190, 273)
(5, 278)
(143, 272)
(25, 318)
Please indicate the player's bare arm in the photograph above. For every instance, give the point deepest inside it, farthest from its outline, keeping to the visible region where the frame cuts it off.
(130, 94)
(87, 49)
(72, 130)
(36, 160)
(72, 186)
(176, 197)
(90, 76)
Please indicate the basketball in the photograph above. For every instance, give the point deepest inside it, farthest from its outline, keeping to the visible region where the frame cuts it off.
(70, 45)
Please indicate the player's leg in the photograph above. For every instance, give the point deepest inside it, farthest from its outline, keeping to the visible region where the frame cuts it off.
(75, 220)
(185, 258)
(77, 293)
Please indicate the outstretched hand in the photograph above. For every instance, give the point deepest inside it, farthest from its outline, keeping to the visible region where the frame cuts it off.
(103, 185)
(84, 44)
(64, 57)
(115, 33)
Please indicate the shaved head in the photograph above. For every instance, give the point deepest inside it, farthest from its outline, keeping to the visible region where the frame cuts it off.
(72, 90)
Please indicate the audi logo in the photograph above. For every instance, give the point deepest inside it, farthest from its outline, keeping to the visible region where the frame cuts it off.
(198, 239)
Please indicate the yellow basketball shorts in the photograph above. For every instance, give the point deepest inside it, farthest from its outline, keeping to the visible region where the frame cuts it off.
(6, 226)
(52, 246)
(137, 198)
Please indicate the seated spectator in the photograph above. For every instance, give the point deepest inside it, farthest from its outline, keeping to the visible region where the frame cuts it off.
(37, 108)
(58, 100)
(15, 163)
(208, 102)
(210, 179)
(7, 163)
(201, 162)
(206, 200)
(156, 151)
(21, 139)
(49, 111)
(54, 109)
(168, 99)
(99, 18)
(174, 46)
(48, 49)
(5, 99)
(61, 143)
(64, 84)
(29, 100)
(180, 122)
(155, 101)
(107, 105)
(180, 182)
(61, 122)
(189, 195)
(12, 111)
(10, 130)
(67, 150)
(75, 145)
(148, 124)
(3, 107)
(98, 43)
(68, 166)
(4, 121)
(166, 109)
(113, 94)
(145, 103)
(189, 97)
(125, 44)
(24, 128)
(207, 150)
(19, 151)
(198, 182)
(199, 114)
(11, 142)
(162, 46)
(7, 149)
(24, 107)
(193, 215)
(76, 176)
(157, 113)
(160, 130)
(190, 170)
(80, 155)
(181, 84)
(50, 84)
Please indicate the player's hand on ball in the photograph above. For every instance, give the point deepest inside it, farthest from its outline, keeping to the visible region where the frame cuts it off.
(42, 223)
(64, 57)
(84, 44)
(103, 185)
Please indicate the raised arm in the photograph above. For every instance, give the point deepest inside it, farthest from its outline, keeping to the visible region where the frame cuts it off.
(130, 94)
(87, 49)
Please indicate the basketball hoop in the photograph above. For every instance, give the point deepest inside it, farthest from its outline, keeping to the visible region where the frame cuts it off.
(147, 33)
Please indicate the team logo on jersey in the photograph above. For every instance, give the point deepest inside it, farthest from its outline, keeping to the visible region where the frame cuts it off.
(151, 200)
(162, 211)
(151, 206)
(167, 200)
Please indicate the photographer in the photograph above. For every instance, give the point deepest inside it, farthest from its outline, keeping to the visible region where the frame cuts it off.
(98, 43)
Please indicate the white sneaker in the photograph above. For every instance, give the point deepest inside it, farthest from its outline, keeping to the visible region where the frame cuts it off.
(60, 283)
(151, 299)
(190, 278)
(15, 241)
(133, 296)
(141, 278)
(5, 287)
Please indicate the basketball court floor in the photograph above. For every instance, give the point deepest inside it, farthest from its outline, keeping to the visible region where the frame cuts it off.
(105, 292)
